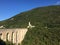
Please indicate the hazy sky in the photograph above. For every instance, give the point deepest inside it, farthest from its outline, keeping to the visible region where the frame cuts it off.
(9, 8)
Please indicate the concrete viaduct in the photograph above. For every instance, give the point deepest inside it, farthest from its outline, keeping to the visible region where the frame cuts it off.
(13, 35)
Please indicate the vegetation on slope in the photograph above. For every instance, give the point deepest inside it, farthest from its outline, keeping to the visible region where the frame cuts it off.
(49, 16)
(47, 30)
(42, 36)
(46, 20)
(5, 42)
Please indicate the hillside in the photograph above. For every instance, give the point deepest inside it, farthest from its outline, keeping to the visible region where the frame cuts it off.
(49, 16)
(47, 22)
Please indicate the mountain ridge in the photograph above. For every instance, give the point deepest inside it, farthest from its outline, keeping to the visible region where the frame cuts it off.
(49, 13)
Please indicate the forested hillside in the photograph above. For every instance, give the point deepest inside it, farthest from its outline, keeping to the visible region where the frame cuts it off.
(46, 21)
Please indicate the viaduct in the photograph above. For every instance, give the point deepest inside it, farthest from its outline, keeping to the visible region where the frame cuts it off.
(13, 35)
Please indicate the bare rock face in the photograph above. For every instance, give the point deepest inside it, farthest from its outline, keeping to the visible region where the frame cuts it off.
(12, 19)
(2, 26)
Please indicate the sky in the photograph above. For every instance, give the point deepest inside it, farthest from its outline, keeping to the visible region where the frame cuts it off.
(10, 8)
